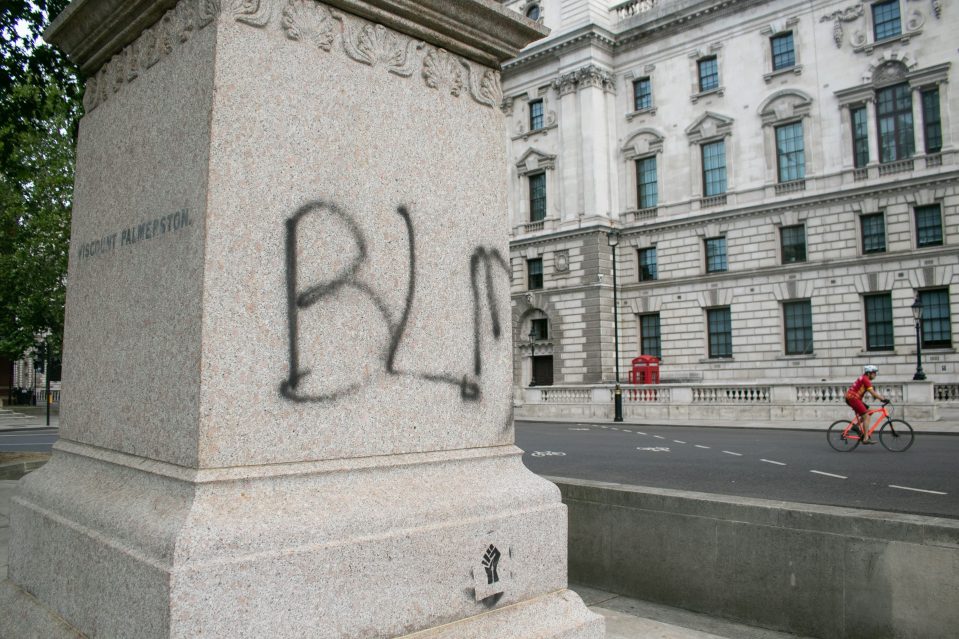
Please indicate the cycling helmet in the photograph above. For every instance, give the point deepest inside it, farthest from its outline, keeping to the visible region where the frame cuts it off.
(869, 368)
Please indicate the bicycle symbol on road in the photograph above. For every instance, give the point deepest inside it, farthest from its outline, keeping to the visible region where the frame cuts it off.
(547, 453)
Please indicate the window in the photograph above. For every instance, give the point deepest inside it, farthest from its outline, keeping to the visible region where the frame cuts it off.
(793, 243)
(936, 327)
(885, 19)
(537, 197)
(533, 12)
(928, 226)
(716, 255)
(784, 53)
(714, 168)
(650, 342)
(797, 322)
(647, 264)
(931, 120)
(648, 192)
(708, 74)
(535, 115)
(539, 328)
(873, 233)
(642, 94)
(534, 270)
(860, 137)
(879, 336)
(894, 113)
(720, 329)
(790, 152)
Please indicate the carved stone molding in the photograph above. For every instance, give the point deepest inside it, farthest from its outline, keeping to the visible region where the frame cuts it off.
(305, 21)
(582, 78)
(848, 14)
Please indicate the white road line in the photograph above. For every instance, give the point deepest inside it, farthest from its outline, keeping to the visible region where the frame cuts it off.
(678, 441)
(819, 472)
(729, 452)
(769, 461)
(701, 446)
(918, 490)
(627, 430)
(640, 433)
(614, 429)
(658, 437)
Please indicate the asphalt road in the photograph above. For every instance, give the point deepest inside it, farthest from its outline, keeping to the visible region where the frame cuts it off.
(33, 440)
(797, 466)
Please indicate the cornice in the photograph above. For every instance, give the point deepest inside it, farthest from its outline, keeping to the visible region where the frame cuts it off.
(589, 35)
(91, 32)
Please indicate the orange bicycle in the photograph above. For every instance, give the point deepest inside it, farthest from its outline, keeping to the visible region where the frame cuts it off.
(895, 435)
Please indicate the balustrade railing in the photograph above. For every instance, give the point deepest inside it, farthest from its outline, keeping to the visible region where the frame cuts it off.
(946, 392)
(647, 394)
(564, 395)
(896, 167)
(731, 395)
(632, 8)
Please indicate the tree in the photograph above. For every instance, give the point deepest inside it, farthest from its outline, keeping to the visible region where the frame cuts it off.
(39, 110)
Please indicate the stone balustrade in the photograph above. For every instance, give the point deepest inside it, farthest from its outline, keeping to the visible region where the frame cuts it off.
(797, 401)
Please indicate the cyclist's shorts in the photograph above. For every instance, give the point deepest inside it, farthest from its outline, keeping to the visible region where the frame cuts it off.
(856, 404)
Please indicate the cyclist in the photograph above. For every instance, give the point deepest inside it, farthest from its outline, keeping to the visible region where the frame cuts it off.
(855, 395)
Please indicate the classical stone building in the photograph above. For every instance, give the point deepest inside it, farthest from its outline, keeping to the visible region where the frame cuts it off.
(779, 178)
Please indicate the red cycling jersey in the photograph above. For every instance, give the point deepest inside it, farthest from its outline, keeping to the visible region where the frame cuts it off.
(859, 388)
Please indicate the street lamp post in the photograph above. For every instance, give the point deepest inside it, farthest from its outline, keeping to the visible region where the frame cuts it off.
(613, 238)
(917, 315)
(532, 364)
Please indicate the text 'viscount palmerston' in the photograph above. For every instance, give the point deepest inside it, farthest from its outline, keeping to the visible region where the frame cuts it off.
(141, 232)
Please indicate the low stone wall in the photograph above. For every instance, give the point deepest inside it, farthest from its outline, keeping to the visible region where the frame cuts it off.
(817, 571)
(818, 402)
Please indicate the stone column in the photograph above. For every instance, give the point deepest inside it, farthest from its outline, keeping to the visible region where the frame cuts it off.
(287, 404)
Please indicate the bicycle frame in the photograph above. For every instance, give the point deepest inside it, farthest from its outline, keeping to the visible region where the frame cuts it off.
(883, 412)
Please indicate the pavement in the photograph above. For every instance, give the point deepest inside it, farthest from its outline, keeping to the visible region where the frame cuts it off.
(13, 418)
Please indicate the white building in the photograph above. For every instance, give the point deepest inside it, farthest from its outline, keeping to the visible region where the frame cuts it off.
(781, 176)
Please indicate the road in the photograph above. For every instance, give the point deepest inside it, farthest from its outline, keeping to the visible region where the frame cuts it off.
(32, 440)
(787, 465)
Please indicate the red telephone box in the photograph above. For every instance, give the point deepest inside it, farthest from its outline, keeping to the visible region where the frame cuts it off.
(645, 370)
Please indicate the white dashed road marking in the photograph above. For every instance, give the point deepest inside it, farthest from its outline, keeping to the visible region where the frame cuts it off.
(918, 490)
(729, 452)
(640, 433)
(819, 472)
(678, 441)
(701, 446)
(579, 429)
(769, 461)
(657, 449)
(658, 437)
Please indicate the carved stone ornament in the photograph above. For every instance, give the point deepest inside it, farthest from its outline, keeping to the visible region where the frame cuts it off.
(889, 72)
(937, 8)
(561, 261)
(304, 21)
(848, 14)
(584, 77)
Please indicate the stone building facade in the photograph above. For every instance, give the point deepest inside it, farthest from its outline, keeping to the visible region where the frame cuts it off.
(779, 178)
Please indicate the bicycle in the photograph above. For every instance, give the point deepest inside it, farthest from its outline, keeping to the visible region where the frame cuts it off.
(895, 435)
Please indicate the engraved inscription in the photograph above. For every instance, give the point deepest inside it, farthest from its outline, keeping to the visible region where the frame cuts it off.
(136, 234)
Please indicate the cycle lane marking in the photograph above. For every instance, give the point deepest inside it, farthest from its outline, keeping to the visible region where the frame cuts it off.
(918, 490)
(819, 472)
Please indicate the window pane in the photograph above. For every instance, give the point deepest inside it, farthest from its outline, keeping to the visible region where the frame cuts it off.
(932, 121)
(646, 181)
(716, 255)
(794, 244)
(873, 233)
(784, 56)
(535, 115)
(860, 137)
(714, 168)
(534, 269)
(540, 328)
(936, 326)
(708, 74)
(647, 264)
(650, 343)
(790, 152)
(797, 321)
(928, 226)
(879, 335)
(642, 94)
(537, 197)
(720, 332)
(885, 19)
(894, 113)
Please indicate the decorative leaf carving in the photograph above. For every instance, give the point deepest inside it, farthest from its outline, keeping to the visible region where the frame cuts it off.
(206, 12)
(253, 12)
(308, 21)
(376, 45)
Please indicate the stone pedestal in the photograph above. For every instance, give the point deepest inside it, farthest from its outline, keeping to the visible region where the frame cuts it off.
(287, 366)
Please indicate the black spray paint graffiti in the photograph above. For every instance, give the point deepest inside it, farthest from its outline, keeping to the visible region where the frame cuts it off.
(482, 264)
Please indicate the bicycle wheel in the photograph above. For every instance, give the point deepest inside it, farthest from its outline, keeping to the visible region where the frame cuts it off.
(838, 441)
(896, 436)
